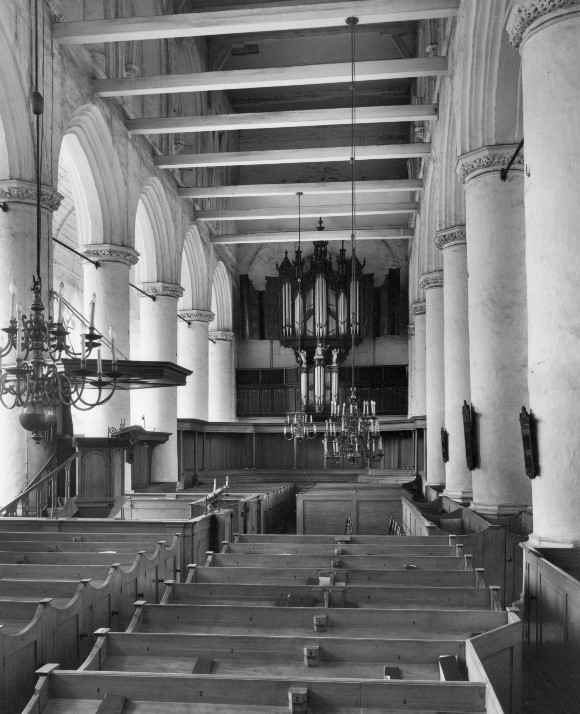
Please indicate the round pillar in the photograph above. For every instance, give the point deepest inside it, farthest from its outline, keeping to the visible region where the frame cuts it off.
(549, 41)
(452, 242)
(411, 370)
(158, 342)
(432, 283)
(193, 353)
(222, 377)
(497, 310)
(110, 284)
(418, 373)
(21, 457)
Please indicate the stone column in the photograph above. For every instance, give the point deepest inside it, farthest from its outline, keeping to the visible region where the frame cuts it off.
(158, 342)
(452, 242)
(222, 377)
(496, 257)
(411, 378)
(419, 360)
(192, 353)
(21, 457)
(432, 283)
(110, 284)
(548, 34)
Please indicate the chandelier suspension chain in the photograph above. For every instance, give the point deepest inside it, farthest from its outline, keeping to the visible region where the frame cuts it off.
(37, 108)
(352, 22)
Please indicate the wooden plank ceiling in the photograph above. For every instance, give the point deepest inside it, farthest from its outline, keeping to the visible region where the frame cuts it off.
(285, 68)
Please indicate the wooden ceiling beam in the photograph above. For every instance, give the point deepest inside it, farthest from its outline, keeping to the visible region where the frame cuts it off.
(328, 188)
(304, 75)
(279, 120)
(399, 233)
(293, 156)
(289, 212)
(252, 19)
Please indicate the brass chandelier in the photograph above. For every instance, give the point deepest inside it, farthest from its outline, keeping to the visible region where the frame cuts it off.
(36, 381)
(353, 432)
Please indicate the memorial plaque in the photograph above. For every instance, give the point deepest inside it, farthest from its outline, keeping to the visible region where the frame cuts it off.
(471, 454)
(527, 425)
(444, 444)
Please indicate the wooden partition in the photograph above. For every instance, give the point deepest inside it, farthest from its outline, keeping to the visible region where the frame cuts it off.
(64, 633)
(320, 510)
(495, 657)
(552, 602)
(492, 546)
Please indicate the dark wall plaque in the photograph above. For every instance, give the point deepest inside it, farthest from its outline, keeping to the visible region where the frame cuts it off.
(444, 444)
(529, 442)
(469, 430)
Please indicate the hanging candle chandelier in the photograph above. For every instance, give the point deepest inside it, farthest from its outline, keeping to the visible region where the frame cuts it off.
(36, 381)
(352, 432)
(297, 424)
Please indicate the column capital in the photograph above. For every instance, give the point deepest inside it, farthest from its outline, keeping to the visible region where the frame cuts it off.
(488, 159)
(411, 330)
(110, 253)
(222, 335)
(16, 191)
(197, 315)
(433, 279)
(526, 12)
(419, 308)
(162, 290)
(451, 236)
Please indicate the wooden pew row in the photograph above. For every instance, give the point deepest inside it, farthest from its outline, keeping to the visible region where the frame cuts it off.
(36, 590)
(70, 558)
(344, 562)
(195, 534)
(62, 631)
(331, 551)
(271, 655)
(377, 623)
(79, 537)
(302, 595)
(60, 692)
(56, 546)
(330, 539)
(309, 576)
(362, 597)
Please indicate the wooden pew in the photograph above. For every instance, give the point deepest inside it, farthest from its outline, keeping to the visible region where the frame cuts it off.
(346, 562)
(362, 597)
(347, 622)
(35, 590)
(303, 576)
(330, 550)
(329, 539)
(66, 546)
(274, 655)
(66, 691)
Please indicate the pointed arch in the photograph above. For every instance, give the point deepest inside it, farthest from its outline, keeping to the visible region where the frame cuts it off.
(488, 98)
(16, 137)
(221, 299)
(98, 157)
(194, 272)
(155, 235)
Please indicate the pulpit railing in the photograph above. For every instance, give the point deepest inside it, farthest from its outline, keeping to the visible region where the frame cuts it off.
(41, 495)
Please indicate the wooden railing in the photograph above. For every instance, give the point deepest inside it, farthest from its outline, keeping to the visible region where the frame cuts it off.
(41, 495)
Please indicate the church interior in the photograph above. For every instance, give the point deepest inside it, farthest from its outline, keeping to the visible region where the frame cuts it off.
(289, 356)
